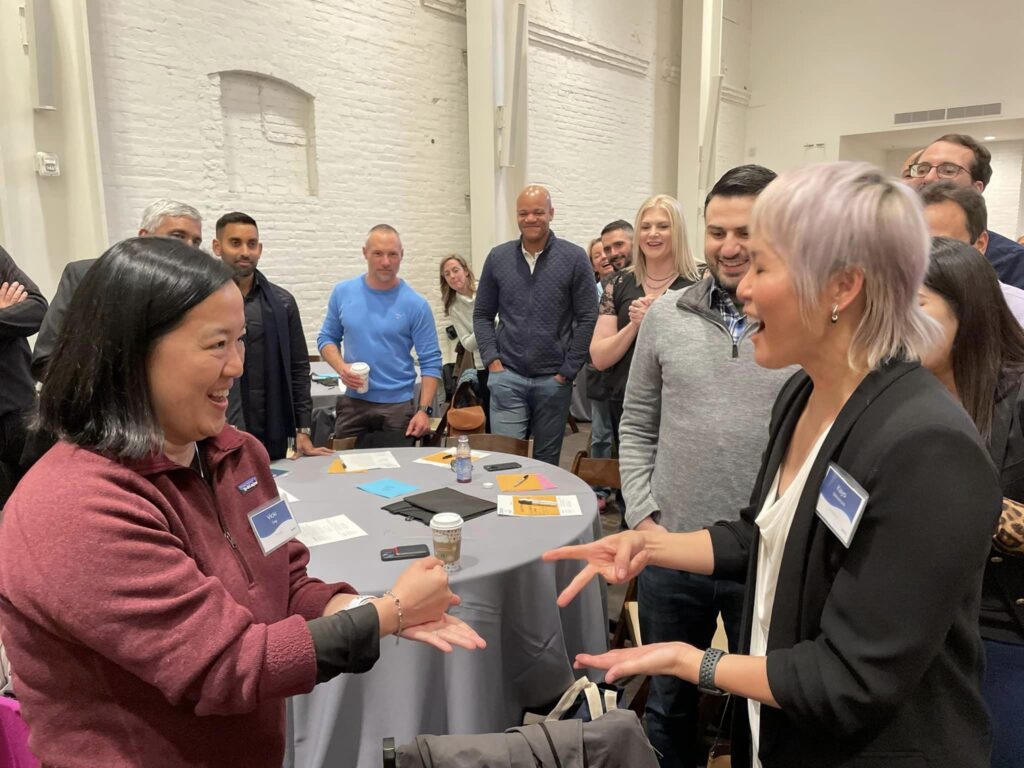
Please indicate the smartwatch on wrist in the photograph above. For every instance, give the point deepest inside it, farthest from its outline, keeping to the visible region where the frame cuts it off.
(426, 409)
(706, 676)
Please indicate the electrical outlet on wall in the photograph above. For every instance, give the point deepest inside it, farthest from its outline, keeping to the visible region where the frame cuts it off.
(47, 164)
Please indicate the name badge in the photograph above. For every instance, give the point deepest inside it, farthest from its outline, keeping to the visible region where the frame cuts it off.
(841, 503)
(273, 525)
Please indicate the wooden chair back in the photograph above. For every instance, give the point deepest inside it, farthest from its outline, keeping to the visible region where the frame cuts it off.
(499, 443)
(599, 472)
(343, 443)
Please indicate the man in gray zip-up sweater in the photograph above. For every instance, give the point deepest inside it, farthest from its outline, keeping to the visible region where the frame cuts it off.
(693, 427)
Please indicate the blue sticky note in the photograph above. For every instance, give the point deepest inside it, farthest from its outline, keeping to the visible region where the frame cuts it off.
(387, 488)
(278, 471)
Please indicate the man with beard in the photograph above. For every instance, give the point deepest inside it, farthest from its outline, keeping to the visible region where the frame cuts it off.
(271, 400)
(617, 241)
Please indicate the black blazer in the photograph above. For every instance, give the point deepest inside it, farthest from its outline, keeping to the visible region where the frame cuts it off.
(53, 321)
(874, 654)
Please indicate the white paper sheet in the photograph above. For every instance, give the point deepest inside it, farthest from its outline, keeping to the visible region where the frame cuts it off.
(329, 529)
(372, 460)
(291, 498)
(567, 506)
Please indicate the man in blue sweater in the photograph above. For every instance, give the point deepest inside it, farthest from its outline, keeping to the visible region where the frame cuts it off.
(542, 288)
(380, 319)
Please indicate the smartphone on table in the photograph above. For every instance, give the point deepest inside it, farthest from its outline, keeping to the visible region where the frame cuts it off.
(409, 552)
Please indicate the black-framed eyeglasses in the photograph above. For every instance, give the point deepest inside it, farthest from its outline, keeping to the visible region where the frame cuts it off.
(942, 170)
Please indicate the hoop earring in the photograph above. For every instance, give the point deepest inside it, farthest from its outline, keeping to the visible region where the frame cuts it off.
(835, 314)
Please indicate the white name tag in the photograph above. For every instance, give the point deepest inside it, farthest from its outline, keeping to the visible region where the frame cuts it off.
(841, 503)
(273, 525)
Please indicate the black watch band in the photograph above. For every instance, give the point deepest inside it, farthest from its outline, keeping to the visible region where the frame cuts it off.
(706, 677)
(427, 409)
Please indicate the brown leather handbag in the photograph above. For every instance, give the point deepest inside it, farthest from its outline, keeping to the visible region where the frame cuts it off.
(465, 415)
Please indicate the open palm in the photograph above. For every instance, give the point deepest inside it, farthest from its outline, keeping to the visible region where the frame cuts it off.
(445, 633)
(654, 659)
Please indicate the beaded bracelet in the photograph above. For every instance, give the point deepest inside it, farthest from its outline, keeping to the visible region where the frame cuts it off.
(398, 606)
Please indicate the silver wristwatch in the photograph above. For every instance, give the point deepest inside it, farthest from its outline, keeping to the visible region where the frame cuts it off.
(359, 600)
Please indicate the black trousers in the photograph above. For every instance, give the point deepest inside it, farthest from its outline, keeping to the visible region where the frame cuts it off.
(12, 443)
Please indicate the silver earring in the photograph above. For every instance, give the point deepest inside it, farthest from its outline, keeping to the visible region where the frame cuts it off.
(835, 314)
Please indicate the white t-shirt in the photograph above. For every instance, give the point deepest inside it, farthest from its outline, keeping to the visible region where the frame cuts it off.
(531, 259)
(773, 523)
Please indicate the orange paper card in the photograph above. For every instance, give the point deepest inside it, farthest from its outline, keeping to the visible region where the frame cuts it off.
(338, 468)
(524, 482)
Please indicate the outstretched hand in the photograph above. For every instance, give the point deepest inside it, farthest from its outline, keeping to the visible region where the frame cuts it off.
(655, 659)
(617, 558)
(445, 633)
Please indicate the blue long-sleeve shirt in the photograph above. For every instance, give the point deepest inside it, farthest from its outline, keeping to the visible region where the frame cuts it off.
(546, 317)
(380, 328)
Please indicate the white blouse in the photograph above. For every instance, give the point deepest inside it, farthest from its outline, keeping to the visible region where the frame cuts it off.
(773, 523)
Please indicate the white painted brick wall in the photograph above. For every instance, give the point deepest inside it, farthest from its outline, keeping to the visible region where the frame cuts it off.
(1002, 195)
(388, 79)
(389, 83)
(591, 127)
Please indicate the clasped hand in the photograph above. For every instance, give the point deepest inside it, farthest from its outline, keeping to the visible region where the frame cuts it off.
(425, 597)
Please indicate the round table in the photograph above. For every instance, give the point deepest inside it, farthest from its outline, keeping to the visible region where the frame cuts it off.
(508, 596)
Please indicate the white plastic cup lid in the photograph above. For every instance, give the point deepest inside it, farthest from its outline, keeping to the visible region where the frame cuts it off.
(359, 368)
(446, 521)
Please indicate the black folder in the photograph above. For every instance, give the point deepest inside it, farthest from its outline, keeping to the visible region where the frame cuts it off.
(423, 506)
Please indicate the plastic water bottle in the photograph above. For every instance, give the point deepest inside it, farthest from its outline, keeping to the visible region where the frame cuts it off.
(463, 461)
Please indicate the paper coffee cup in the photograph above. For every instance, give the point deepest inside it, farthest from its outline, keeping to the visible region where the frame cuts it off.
(362, 370)
(446, 528)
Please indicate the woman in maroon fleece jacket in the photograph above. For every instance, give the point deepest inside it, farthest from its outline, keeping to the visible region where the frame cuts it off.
(144, 624)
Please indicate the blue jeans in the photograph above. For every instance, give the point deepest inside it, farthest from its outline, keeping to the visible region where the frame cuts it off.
(539, 407)
(601, 441)
(1003, 691)
(679, 606)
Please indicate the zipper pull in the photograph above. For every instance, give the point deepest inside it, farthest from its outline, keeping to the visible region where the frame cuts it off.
(735, 350)
(230, 538)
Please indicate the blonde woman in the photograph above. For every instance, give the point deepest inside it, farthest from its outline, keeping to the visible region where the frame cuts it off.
(661, 262)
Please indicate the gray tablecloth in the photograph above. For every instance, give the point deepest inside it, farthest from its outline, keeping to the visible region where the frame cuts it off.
(508, 596)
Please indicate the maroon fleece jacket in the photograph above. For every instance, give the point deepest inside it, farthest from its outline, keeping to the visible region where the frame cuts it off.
(138, 635)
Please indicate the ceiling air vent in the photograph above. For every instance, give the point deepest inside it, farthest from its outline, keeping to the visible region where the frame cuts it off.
(951, 113)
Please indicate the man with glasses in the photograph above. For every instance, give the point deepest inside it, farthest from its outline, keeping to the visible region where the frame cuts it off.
(961, 160)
